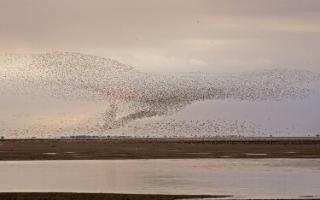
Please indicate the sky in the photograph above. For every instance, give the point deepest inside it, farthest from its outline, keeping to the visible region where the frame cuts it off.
(170, 35)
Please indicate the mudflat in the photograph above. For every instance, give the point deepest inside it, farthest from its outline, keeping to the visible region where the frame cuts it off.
(93, 196)
(155, 148)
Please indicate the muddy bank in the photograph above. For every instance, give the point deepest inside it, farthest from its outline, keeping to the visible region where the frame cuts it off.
(75, 149)
(86, 196)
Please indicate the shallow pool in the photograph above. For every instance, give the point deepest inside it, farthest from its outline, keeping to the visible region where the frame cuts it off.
(247, 178)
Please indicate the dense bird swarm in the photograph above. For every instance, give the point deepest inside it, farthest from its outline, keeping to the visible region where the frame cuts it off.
(132, 97)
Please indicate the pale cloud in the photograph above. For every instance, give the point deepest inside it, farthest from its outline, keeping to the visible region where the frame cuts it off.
(197, 62)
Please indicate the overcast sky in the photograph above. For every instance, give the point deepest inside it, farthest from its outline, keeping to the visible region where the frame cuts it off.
(170, 35)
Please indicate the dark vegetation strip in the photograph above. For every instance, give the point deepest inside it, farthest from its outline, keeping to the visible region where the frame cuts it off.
(98, 196)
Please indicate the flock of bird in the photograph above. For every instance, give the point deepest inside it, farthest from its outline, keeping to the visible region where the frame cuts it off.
(133, 98)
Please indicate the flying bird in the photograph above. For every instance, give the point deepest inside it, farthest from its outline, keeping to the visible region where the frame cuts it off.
(68, 75)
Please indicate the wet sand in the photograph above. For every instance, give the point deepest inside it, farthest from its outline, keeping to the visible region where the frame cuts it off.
(86, 196)
(93, 196)
(139, 148)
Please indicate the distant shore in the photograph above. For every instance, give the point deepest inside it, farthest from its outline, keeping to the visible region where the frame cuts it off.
(111, 196)
(158, 148)
(99, 196)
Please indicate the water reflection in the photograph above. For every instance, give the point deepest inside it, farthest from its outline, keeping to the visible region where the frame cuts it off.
(254, 178)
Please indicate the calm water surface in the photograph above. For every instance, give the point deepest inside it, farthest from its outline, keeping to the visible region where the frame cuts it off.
(254, 178)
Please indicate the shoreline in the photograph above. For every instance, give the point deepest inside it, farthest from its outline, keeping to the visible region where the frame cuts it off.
(119, 196)
(100, 196)
(158, 148)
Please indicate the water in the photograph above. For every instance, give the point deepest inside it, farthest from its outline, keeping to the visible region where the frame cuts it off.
(250, 178)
